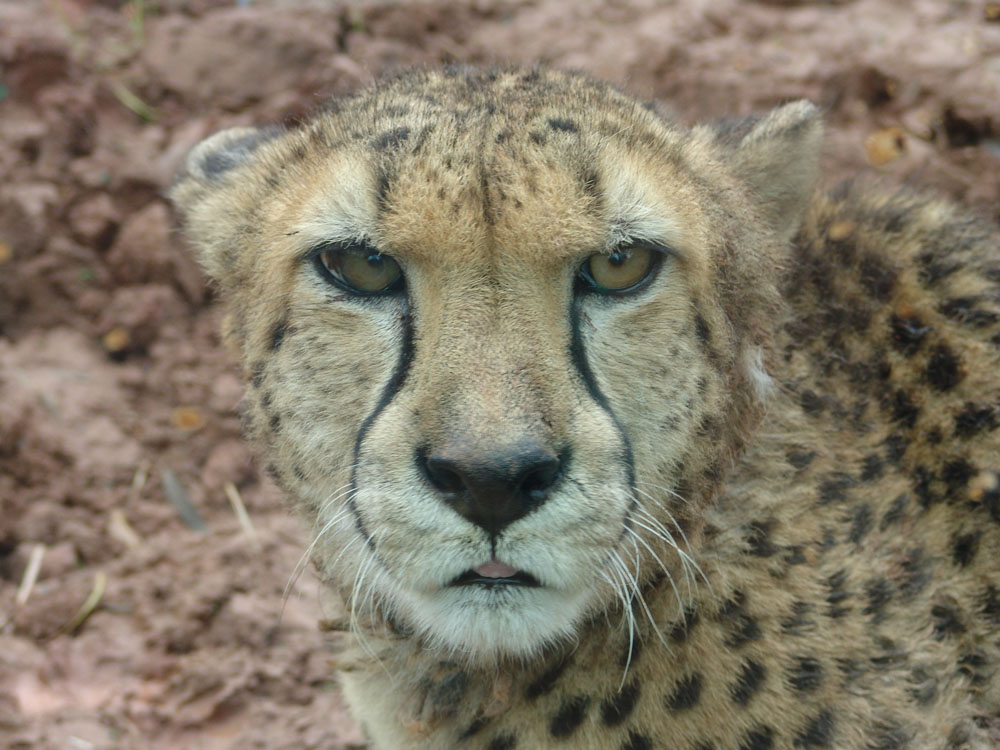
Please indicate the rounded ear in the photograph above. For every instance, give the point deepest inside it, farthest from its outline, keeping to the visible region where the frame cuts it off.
(208, 206)
(221, 152)
(777, 156)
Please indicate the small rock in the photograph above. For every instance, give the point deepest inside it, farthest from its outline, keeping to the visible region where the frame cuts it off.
(25, 216)
(229, 461)
(94, 220)
(140, 252)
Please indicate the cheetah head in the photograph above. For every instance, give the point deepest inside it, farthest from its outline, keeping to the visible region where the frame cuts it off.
(504, 333)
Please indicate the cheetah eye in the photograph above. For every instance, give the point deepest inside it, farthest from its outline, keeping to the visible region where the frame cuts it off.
(623, 270)
(359, 269)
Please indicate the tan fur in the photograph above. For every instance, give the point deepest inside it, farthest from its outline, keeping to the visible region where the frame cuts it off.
(780, 523)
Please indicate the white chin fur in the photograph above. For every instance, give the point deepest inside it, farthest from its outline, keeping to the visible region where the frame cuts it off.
(486, 624)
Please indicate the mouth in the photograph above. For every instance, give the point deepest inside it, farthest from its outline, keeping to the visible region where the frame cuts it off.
(495, 573)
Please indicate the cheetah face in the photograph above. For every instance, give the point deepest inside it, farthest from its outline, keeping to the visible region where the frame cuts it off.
(500, 348)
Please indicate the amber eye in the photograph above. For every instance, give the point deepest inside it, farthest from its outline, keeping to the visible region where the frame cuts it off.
(360, 269)
(620, 270)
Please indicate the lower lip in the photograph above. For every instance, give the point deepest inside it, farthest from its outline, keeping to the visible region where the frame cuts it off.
(471, 578)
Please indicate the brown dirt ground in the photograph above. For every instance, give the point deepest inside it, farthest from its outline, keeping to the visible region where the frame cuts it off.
(113, 385)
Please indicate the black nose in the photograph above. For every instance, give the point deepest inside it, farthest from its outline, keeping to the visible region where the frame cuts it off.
(493, 490)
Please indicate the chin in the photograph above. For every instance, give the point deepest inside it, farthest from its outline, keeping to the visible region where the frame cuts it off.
(489, 623)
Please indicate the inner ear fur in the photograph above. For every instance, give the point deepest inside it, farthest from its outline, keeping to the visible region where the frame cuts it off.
(777, 156)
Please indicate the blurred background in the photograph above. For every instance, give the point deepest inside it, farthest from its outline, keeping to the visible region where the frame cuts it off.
(143, 553)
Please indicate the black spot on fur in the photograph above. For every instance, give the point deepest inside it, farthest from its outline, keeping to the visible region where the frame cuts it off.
(278, 334)
(751, 677)
(616, 708)
(923, 479)
(895, 447)
(761, 738)
(877, 278)
(537, 137)
(505, 741)
(964, 548)
(878, 592)
(947, 622)
(637, 741)
(812, 404)
(275, 423)
(838, 594)
(800, 459)
(861, 523)
(971, 664)
(818, 733)
(943, 368)
(933, 269)
(974, 418)
(963, 309)
(805, 675)
(907, 334)
(835, 488)
(687, 693)
(391, 138)
(745, 629)
(566, 126)
(570, 715)
(873, 467)
(903, 409)
(702, 329)
(956, 475)
(683, 627)
(759, 539)
(546, 681)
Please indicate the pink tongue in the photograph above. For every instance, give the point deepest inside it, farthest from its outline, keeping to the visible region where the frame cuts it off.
(494, 569)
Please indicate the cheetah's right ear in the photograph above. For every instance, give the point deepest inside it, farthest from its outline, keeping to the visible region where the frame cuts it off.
(203, 207)
(777, 156)
(221, 152)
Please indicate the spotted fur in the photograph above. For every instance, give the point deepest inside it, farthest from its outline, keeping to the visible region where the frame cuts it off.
(778, 520)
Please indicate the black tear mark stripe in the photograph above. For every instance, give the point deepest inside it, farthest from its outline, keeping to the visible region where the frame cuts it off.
(392, 387)
(579, 359)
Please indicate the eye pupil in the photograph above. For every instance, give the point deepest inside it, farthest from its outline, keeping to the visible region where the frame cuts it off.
(618, 258)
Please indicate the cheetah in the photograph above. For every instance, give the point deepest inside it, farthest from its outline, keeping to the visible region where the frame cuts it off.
(614, 434)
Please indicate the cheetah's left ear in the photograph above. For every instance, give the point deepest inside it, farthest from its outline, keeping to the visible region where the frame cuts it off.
(777, 156)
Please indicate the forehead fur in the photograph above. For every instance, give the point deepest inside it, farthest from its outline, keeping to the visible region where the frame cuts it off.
(496, 156)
